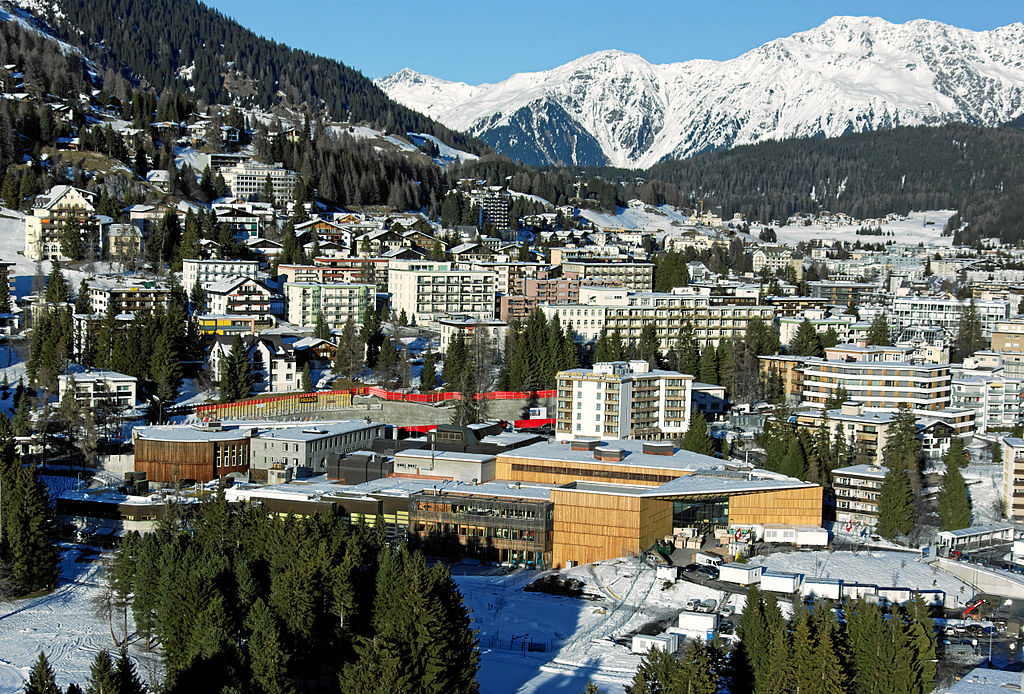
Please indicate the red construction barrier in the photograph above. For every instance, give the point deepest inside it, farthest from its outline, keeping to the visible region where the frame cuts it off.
(532, 423)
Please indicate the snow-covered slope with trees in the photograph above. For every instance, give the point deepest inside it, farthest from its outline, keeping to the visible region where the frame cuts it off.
(848, 75)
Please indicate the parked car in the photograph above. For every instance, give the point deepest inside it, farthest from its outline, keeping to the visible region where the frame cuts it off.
(727, 611)
(690, 568)
(709, 571)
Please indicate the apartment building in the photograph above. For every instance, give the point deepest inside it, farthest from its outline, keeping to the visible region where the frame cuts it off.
(820, 321)
(344, 270)
(239, 296)
(619, 400)
(510, 278)
(51, 213)
(494, 204)
(126, 295)
(493, 331)
(627, 312)
(876, 377)
(99, 389)
(336, 302)
(1013, 477)
(429, 290)
(996, 399)
(635, 275)
(213, 324)
(246, 180)
(208, 271)
(857, 489)
(926, 310)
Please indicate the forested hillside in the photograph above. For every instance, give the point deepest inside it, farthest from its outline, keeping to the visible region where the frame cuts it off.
(184, 43)
(974, 170)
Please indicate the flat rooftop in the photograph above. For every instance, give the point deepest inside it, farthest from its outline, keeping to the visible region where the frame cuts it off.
(561, 451)
(317, 430)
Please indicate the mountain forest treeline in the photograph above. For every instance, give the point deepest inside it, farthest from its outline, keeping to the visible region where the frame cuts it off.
(159, 43)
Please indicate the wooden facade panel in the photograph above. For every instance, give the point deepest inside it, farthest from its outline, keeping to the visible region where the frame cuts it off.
(509, 467)
(790, 506)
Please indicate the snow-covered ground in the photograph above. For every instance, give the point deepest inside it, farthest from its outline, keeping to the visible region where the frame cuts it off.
(918, 227)
(577, 635)
(881, 568)
(984, 485)
(640, 216)
(64, 625)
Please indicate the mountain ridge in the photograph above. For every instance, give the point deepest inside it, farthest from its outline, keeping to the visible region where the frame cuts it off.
(849, 74)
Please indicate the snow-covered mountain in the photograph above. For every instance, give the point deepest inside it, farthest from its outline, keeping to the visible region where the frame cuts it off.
(850, 74)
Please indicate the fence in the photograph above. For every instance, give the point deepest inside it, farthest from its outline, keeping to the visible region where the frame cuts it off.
(297, 403)
(309, 403)
(432, 398)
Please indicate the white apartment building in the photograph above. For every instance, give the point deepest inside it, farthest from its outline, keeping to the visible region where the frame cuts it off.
(336, 302)
(857, 489)
(99, 389)
(210, 271)
(622, 400)
(879, 378)
(309, 446)
(238, 296)
(246, 179)
(928, 310)
(495, 205)
(430, 290)
(996, 399)
(626, 311)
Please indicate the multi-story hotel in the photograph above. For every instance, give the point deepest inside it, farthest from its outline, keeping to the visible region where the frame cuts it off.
(634, 275)
(51, 213)
(428, 290)
(619, 400)
(996, 399)
(208, 271)
(126, 295)
(246, 179)
(335, 302)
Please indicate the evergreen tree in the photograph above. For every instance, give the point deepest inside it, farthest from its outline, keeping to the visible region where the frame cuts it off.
(307, 383)
(658, 672)
(649, 345)
(41, 679)
(5, 290)
(102, 675)
(197, 298)
(954, 506)
(801, 645)
(840, 450)
(321, 331)
(428, 374)
(348, 357)
(807, 342)
(697, 438)
(895, 504)
(879, 333)
(956, 455)
(372, 335)
(968, 337)
(708, 369)
(795, 462)
(82, 303)
(71, 239)
(387, 364)
(128, 681)
(455, 358)
(165, 367)
(56, 286)
(903, 448)
(268, 659)
(29, 548)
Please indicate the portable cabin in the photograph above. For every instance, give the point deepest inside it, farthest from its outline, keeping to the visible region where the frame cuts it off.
(780, 582)
(740, 574)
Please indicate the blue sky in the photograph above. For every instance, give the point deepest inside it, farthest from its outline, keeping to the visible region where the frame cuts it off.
(487, 40)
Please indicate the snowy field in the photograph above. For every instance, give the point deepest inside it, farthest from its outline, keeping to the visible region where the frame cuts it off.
(984, 485)
(918, 227)
(640, 216)
(62, 624)
(880, 568)
(584, 639)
